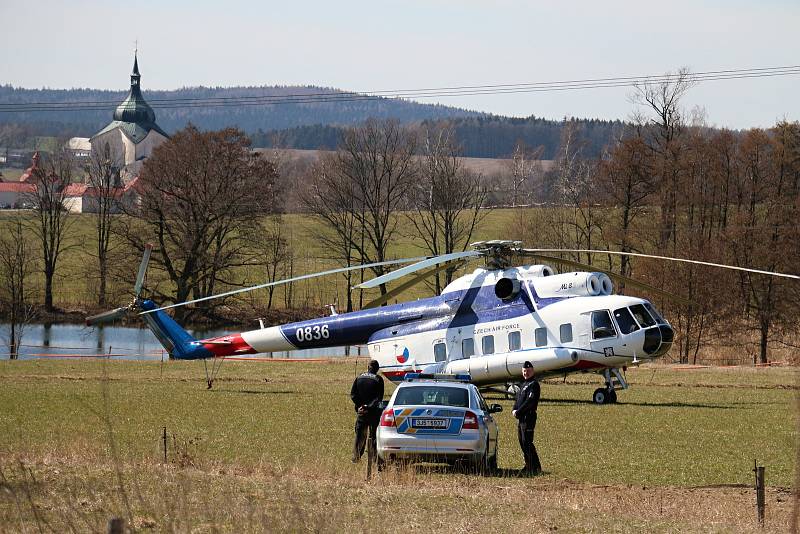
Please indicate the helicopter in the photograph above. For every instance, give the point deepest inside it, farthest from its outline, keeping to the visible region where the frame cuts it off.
(486, 323)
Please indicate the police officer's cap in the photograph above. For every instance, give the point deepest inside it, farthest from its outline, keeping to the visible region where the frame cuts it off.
(527, 365)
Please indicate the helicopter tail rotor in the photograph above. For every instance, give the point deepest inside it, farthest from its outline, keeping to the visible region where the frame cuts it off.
(119, 313)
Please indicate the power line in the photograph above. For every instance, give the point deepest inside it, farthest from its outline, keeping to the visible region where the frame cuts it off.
(467, 90)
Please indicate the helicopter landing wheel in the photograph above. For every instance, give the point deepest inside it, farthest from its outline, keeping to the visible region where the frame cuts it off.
(604, 396)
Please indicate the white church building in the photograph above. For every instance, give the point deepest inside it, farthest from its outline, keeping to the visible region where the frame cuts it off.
(130, 137)
(133, 134)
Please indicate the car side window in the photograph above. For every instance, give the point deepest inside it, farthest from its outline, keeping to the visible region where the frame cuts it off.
(541, 336)
(440, 352)
(566, 332)
(467, 347)
(487, 344)
(514, 340)
(482, 402)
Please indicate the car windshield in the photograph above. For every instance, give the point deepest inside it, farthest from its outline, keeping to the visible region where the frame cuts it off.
(434, 395)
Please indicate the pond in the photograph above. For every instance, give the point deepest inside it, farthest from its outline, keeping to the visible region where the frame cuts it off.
(123, 343)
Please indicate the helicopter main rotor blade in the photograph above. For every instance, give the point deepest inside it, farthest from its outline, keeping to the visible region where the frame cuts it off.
(617, 277)
(406, 285)
(285, 281)
(429, 262)
(137, 288)
(668, 258)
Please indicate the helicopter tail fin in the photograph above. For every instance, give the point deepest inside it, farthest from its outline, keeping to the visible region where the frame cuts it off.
(178, 342)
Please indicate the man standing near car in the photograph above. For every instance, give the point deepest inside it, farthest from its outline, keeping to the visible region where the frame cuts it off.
(525, 412)
(367, 394)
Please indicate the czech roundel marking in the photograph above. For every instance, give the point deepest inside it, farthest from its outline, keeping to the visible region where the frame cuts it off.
(403, 358)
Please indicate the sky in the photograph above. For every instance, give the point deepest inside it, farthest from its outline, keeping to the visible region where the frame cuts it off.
(390, 45)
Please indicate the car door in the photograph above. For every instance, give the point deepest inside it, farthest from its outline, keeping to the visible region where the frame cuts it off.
(491, 424)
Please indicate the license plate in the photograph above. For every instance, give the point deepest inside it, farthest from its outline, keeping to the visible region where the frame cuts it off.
(429, 423)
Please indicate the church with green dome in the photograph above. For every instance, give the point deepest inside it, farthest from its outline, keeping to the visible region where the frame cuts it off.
(133, 134)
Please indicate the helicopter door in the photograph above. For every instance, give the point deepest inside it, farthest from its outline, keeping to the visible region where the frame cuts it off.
(602, 332)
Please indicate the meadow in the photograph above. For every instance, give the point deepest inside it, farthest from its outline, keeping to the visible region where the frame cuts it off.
(268, 448)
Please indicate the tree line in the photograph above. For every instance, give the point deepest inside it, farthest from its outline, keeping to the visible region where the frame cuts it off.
(671, 186)
(667, 185)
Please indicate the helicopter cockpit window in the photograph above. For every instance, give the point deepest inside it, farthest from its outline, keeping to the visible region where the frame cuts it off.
(440, 352)
(487, 344)
(566, 333)
(642, 316)
(467, 347)
(514, 340)
(602, 327)
(625, 321)
(654, 313)
(541, 336)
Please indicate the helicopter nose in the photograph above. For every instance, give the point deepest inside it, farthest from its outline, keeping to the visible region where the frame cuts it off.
(658, 340)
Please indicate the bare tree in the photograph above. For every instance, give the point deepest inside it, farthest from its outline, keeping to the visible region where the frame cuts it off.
(625, 180)
(662, 97)
(524, 165)
(200, 190)
(271, 245)
(332, 201)
(446, 199)
(359, 189)
(104, 180)
(51, 222)
(16, 269)
(577, 187)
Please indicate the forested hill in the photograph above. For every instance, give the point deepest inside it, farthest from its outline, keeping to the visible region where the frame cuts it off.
(250, 118)
(486, 136)
(316, 125)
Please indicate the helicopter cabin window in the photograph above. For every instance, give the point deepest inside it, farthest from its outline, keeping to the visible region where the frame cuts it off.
(625, 321)
(514, 340)
(541, 336)
(467, 347)
(440, 352)
(487, 344)
(566, 332)
(642, 316)
(602, 327)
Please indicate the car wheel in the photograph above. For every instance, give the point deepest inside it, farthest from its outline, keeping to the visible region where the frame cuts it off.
(380, 463)
(493, 462)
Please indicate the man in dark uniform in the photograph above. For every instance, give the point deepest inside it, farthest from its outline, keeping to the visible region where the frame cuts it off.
(367, 394)
(525, 411)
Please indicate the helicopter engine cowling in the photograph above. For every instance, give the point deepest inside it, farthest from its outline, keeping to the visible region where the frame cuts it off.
(577, 284)
(507, 367)
(606, 284)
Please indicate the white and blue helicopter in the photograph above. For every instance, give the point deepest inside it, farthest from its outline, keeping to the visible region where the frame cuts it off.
(486, 323)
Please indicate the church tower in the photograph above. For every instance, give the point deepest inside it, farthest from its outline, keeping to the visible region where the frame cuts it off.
(133, 134)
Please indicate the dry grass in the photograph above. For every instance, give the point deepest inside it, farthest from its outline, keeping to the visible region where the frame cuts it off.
(268, 447)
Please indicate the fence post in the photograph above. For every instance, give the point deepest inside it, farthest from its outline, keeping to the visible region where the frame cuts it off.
(116, 525)
(164, 439)
(760, 502)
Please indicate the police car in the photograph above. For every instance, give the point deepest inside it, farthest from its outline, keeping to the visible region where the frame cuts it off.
(438, 418)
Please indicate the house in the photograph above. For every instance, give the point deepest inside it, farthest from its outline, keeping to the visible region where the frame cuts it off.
(84, 198)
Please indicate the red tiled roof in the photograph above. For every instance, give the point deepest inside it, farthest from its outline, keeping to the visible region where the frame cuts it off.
(17, 187)
(75, 190)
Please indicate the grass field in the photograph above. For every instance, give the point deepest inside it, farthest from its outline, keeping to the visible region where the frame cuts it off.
(268, 448)
(75, 285)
